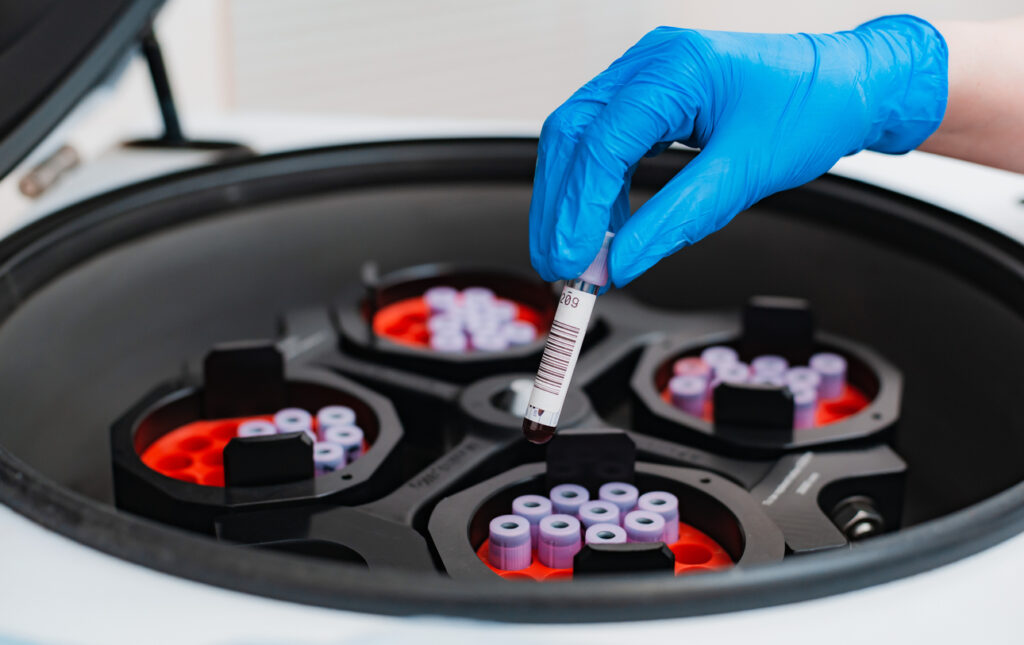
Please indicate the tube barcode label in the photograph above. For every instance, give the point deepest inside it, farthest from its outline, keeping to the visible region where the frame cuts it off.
(560, 354)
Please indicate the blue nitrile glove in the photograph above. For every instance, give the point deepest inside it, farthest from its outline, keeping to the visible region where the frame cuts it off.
(768, 111)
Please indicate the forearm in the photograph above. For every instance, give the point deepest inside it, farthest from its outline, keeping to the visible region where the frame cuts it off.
(984, 120)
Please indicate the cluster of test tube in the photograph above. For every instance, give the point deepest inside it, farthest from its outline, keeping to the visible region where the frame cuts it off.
(474, 319)
(554, 528)
(337, 440)
(694, 379)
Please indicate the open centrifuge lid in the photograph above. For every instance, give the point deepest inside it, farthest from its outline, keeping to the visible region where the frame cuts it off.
(53, 52)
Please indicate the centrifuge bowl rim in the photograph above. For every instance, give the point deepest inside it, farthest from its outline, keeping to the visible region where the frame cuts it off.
(297, 579)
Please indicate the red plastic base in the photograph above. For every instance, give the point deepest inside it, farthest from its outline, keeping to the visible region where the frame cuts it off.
(405, 321)
(851, 402)
(695, 552)
(195, 452)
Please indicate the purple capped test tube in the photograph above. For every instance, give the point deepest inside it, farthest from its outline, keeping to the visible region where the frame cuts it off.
(735, 373)
(598, 511)
(473, 297)
(667, 506)
(769, 365)
(719, 356)
(294, 420)
(449, 342)
(775, 380)
(349, 437)
(442, 298)
(510, 546)
(605, 534)
(802, 378)
(335, 415)
(482, 321)
(444, 323)
(567, 498)
(832, 368)
(621, 494)
(534, 508)
(805, 405)
(519, 332)
(558, 540)
(488, 341)
(644, 526)
(504, 310)
(688, 393)
(256, 428)
(328, 456)
(692, 366)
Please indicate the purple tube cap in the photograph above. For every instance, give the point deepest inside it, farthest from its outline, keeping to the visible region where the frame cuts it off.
(606, 534)
(597, 272)
(559, 530)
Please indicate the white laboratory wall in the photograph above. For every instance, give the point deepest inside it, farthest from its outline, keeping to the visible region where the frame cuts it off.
(491, 59)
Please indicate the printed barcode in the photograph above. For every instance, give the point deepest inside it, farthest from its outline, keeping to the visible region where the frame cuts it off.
(557, 354)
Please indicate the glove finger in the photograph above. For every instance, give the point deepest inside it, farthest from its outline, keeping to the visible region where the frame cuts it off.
(698, 201)
(638, 118)
(559, 137)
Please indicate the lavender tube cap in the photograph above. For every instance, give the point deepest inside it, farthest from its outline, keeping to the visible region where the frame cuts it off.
(597, 272)
(832, 368)
(567, 498)
(558, 541)
(598, 511)
(605, 534)
(510, 548)
(534, 508)
(644, 526)
(667, 506)
(621, 494)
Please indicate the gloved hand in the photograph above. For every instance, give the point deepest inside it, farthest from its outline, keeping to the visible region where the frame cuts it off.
(768, 111)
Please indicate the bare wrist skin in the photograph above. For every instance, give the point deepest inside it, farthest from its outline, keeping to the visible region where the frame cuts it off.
(984, 120)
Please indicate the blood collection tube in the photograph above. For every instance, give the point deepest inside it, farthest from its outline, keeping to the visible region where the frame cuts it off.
(621, 494)
(567, 498)
(441, 298)
(644, 526)
(509, 548)
(519, 332)
(605, 534)
(328, 456)
(832, 368)
(598, 511)
(802, 378)
(736, 373)
(692, 366)
(534, 508)
(688, 393)
(719, 356)
(805, 405)
(256, 428)
(667, 506)
(349, 437)
(565, 339)
(769, 365)
(335, 415)
(558, 541)
(294, 420)
(453, 342)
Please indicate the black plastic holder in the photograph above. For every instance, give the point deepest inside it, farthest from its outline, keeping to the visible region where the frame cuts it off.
(243, 379)
(724, 511)
(755, 420)
(358, 304)
(426, 507)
